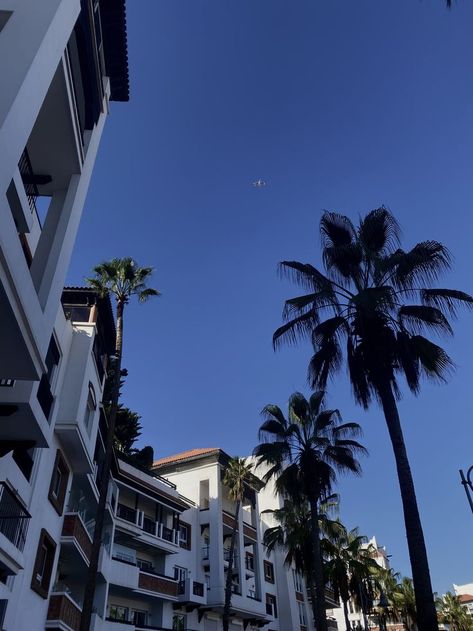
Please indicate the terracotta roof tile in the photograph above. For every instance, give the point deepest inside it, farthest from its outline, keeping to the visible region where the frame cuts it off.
(465, 598)
(185, 455)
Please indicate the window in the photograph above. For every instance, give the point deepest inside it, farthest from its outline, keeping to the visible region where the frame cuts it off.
(207, 581)
(90, 408)
(24, 459)
(59, 480)
(139, 617)
(180, 573)
(179, 622)
(52, 362)
(145, 565)
(118, 613)
(43, 565)
(185, 535)
(271, 607)
(298, 584)
(268, 572)
(302, 614)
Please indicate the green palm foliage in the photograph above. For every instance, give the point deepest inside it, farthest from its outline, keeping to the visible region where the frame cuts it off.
(452, 613)
(303, 453)
(377, 300)
(349, 565)
(293, 535)
(122, 279)
(236, 477)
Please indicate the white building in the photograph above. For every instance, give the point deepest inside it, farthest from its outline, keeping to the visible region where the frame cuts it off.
(61, 62)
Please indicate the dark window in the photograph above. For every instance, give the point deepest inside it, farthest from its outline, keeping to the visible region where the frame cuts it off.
(185, 535)
(24, 459)
(58, 486)
(43, 565)
(268, 572)
(3, 610)
(271, 607)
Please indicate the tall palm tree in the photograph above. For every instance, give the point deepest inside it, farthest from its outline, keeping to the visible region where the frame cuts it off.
(293, 535)
(349, 564)
(304, 453)
(237, 475)
(379, 299)
(453, 613)
(122, 279)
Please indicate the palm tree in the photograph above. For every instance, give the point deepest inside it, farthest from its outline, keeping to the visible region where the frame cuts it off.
(293, 534)
(121, 278)
(349, 564)
(304, 453)
(452, 613)
(407, 604)
(362, 297)
(236, 477)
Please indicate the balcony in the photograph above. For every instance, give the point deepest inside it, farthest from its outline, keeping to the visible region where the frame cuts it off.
(155, 531)
(63, 612)
(158, 584)
(14, 518)
(74, 532)
(25, 407)
(190, 591)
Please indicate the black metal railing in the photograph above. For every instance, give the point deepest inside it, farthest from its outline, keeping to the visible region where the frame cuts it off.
(167, 533)
(27, 175)
(149, 525)
(45, 396)
(126, 513)
(7, 383)
(14, 518)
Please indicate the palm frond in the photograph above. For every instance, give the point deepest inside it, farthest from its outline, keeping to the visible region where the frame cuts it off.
(423, 264)
(417, 318)
(336, 230)
(296, 329)
(435, 362)
(379, 232)
(447, 300)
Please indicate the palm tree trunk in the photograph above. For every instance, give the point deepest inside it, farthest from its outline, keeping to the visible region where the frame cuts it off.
(426, 612)
(320, 608)
(313, 597)
(345, 613)
(104, 480)
(228, 582)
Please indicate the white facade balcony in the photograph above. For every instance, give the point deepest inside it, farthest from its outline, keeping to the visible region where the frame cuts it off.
(149, 531)
(192, 591)
(25, 410)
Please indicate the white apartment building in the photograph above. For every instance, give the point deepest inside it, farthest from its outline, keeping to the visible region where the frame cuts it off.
(266, 593)
(61, 63)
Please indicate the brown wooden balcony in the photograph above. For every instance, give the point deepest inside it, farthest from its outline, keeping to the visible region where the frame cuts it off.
(62, 609)
(159, 584)
(73, 528)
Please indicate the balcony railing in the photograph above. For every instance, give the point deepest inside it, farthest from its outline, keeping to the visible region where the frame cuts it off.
(14, 518)
(62, 608)
(27, 175)
(44, 396)
(154, 528)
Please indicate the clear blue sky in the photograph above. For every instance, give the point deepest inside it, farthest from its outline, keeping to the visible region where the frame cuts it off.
(341, 105)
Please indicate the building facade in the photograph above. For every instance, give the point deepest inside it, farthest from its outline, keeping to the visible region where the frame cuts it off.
(61, 63)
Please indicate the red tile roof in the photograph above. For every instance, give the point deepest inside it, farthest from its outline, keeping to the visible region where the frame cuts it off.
(465, 598)
(185, 455)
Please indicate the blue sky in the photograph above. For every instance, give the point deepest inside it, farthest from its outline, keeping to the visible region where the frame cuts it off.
(340, 105)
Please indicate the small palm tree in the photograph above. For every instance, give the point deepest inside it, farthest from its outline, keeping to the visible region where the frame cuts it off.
(349, 564)
(407, 604)
(452, 613)
(122, 279)
(304, 453)
(237, 475)
(364, 299)
(293, 535)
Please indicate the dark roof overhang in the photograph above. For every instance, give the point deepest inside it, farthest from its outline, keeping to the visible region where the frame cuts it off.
(113, 20)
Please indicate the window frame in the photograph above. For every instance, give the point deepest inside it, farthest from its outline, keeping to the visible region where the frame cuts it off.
(187, 545)
(61, 466)
(90, 408)
(272, 601)
(43, 565)
(268, 575)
